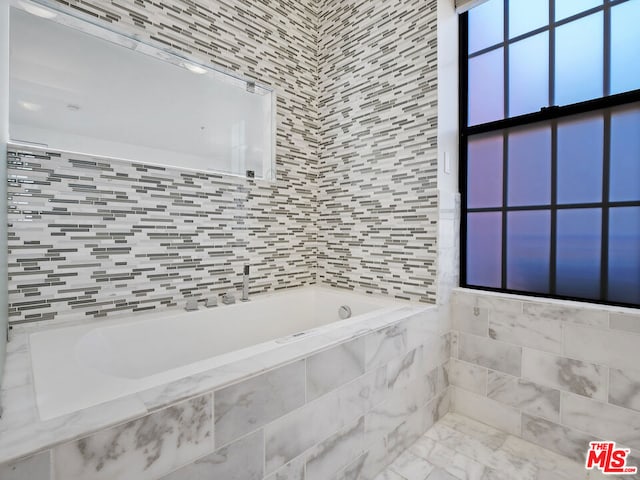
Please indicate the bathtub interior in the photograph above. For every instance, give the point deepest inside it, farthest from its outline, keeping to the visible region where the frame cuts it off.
(82, 366)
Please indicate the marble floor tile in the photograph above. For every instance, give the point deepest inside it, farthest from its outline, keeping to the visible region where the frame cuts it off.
(459, 448)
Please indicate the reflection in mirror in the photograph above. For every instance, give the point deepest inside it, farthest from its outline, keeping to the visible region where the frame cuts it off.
(78, 87)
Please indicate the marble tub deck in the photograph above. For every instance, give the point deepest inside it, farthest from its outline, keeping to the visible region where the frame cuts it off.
(23, 433)
(458, 448)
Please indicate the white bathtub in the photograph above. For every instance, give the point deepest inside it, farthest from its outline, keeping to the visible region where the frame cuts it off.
(82, 366)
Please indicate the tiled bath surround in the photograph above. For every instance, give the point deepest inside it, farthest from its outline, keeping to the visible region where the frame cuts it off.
(378, 147)
(556, 373)
(354, 204)
(122, 238)
(342, 413)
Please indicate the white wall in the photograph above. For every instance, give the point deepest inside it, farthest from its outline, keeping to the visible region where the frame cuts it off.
(448, 140)
(4, 135)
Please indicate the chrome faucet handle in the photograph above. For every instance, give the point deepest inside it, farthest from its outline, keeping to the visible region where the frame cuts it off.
(211, 302)
(191, 305)
(228, 298)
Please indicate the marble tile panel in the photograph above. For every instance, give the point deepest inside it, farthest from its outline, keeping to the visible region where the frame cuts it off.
(241, 460)
(389, 475)
(488, 411)
(488, 300)
(22, 432)
(405, 369)
(558, 438)
(545, 460)
(602, 420)
(528, 330)
(291, 435)
(411, 467)
(334, 367)
(490, 353)
(468, 376)
(567, 312)
(408, 431)
(469, 319)
(332, 455)
(611, 348)
(294, 470)
(145, 448)
(625, 321)
(354, 471)
(454, 463)
(478, 431)
(582, 378)
(248, 405)
(524, 395)
(403, 401)
(624, 388)
(384, 345)
(37, 467)
(440, 474)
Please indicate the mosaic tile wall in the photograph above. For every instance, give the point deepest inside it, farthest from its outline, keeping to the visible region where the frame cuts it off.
(354, 204)
(88, 237)
(378, 151)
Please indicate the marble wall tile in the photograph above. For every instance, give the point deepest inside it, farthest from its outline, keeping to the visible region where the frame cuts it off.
(605, 347)
(248, 405)
(294, 470)
(486, 410)
(528, 330)
(602, 420)
(384, 345)
(524, 395)
(567, 312)
(624, 388)
(334, 367)
(400, 403)
(37, 467)
(143, 449)
(241, 460)
(566, 374)
(291, 435)
(555, 437)
(403, 370)
(468, 376)
(490, 353)
(354, 471)
(625, 321)
(332, 455)
(406, 433)
(469, 319)
(490, 301)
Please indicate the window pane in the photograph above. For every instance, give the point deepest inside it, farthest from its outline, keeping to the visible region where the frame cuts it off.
(527, 15)
(486, 25)
(484, 180)
(529, 75)
(484, 249)
(486, 87)
(580, 147)
(567, 8)
(528, 250)
(529, 177)
(578, 252)
(625, 47)
(579, 48)
(624, 255)
(625, 156)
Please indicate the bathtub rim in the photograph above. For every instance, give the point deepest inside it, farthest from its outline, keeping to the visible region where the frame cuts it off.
(33, 436)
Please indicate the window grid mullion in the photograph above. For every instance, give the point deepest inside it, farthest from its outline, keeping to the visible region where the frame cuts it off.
(553, 257)
(604, 237)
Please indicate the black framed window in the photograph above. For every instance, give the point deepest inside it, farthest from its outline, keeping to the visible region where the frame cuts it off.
(550, 148)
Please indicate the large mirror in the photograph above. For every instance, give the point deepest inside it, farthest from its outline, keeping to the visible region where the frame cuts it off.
(76, 86)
